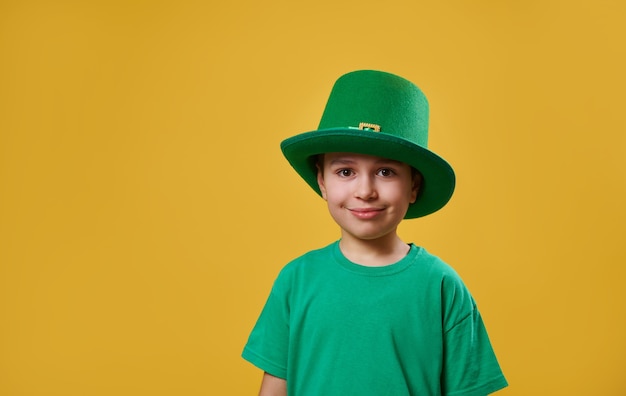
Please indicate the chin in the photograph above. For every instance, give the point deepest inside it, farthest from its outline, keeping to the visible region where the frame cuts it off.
(368, 236)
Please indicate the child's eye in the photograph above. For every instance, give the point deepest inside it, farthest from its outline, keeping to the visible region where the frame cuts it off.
(345, 172)
(386, 172)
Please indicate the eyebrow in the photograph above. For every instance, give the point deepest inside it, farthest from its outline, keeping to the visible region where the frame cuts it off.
(341, 161)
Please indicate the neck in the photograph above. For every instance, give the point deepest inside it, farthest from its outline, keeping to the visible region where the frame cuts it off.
(375, 252)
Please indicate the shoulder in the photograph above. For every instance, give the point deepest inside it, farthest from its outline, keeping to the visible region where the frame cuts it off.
(307, 265)
(456, 299)
(436, 268)
(310, 258)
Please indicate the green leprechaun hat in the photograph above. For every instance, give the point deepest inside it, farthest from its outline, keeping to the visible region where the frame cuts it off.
(376, 113)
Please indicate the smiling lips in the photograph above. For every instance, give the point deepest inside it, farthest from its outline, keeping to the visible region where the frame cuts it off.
(365, 213)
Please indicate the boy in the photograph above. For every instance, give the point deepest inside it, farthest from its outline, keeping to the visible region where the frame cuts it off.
(370, 314)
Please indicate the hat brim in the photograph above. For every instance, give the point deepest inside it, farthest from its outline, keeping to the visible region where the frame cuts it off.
(438, 176)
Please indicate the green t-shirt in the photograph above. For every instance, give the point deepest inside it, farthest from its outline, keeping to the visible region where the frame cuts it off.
(332, 327)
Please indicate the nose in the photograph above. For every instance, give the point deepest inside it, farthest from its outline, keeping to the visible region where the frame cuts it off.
(365, 188)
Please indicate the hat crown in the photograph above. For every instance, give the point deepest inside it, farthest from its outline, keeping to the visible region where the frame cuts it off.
(381, 99)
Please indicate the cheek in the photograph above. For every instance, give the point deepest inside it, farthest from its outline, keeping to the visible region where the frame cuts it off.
(336, 196)
(331, 196)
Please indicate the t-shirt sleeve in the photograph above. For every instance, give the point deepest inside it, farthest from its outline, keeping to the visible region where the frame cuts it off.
(470, 366)
(268, 344)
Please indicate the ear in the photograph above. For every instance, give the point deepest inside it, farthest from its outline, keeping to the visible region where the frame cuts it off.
(320, 180)
(416, 184)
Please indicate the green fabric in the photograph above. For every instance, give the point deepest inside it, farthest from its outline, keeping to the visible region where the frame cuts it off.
(401, 111)
(332, 327)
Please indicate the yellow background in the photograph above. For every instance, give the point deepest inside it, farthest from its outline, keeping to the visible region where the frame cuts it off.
(145, 207)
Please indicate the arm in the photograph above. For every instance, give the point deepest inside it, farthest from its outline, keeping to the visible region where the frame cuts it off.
(273, 386)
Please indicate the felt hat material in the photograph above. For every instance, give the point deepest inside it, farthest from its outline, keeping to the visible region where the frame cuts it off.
(376, 113)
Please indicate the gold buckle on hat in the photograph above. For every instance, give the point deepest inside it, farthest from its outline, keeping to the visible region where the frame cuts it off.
(365, 126)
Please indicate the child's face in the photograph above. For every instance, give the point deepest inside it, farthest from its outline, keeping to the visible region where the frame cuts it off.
(367, 196)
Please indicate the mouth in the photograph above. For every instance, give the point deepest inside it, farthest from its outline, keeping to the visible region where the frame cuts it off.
(365, 213)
